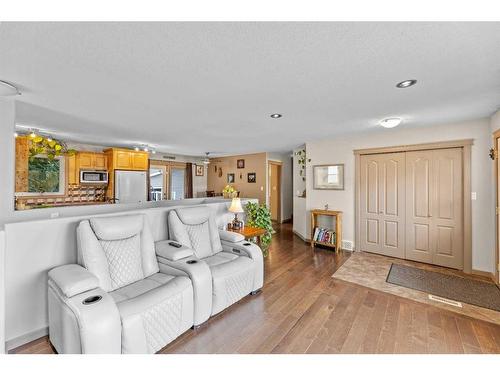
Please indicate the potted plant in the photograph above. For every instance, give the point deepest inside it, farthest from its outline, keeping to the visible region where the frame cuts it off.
(260, 216)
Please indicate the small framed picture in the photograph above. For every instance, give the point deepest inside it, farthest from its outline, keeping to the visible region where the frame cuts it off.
(199, 170)
(240, 163)
(328, 177)
(230, 178)
(252, 177)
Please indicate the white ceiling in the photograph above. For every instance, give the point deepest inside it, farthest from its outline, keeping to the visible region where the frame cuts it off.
(194, 87)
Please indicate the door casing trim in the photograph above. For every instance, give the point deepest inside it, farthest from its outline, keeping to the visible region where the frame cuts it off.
(466, 145)
(496, 136)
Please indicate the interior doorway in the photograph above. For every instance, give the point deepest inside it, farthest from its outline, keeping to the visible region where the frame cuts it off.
(275, 190)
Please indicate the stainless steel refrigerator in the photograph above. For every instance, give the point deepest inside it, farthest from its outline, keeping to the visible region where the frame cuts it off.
(130, 186)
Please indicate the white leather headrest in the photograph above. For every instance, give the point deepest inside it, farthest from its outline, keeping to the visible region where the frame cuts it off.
(117, 227)
(193, 215)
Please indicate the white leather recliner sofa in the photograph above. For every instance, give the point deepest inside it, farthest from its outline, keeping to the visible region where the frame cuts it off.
(228, 267)
(117, 300)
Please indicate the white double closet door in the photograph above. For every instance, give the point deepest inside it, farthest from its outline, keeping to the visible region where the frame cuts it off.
(411, 205)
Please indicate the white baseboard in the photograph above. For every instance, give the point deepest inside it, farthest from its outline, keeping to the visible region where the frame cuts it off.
(26, 338)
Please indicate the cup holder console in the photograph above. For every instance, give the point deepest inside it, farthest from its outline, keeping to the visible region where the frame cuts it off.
(192, 261)
(92, 299)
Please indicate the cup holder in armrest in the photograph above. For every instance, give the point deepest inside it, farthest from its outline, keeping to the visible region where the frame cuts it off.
(92, 299)
(192, 261)
(247, 244)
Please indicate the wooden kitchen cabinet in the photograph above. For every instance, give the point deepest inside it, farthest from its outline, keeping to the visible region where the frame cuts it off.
(91, 160)
(124, 159)
(140, 160)
(84, 160)
(73, 175)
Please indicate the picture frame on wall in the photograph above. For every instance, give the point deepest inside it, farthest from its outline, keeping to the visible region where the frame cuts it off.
(240, 163)
(200, 170)
(230, 178)
(252, 178)
(328, 177)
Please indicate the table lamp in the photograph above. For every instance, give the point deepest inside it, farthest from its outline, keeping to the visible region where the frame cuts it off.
(236, 209)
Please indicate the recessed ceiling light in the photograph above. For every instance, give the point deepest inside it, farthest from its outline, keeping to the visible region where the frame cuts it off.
(407, 83)
(390, 122)
(276, 115)
(7, 89)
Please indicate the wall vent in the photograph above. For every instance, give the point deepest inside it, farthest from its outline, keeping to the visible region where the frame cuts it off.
(347, 245)
(169, 157)
(445, 300)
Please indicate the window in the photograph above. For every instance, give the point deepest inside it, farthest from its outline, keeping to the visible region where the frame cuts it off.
(45, 176)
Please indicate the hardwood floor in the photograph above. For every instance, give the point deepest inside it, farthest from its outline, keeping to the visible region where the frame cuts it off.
(302, 309)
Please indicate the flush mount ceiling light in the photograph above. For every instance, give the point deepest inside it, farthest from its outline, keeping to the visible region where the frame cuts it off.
(406, 83)
(7, 89)
(390, 122)
(276, 115)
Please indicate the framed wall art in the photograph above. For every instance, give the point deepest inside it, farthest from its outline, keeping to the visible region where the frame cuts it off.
(252, 178)
(199, 170)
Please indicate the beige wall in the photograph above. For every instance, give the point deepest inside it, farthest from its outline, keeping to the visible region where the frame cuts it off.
(253, 163)
(341, 149)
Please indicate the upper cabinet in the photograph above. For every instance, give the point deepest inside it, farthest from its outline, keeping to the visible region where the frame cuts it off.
(127, 159)
(85, 160)
(91, 160)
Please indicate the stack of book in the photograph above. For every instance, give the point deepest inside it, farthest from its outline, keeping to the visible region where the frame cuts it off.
(324, 235)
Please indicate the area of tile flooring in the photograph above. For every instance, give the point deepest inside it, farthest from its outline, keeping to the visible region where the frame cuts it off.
(370, 270)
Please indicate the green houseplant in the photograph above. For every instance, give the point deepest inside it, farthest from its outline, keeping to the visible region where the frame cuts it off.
(260, 216)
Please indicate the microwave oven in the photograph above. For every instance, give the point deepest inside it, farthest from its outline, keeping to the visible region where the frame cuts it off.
(93, 177)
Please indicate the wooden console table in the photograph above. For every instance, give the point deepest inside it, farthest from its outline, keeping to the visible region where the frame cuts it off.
(338, 227)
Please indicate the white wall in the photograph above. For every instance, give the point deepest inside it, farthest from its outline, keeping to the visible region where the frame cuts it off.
(299, 203)
(7, 155)
(7, 119)
(341, 149)
(495, 122)
(286, 183)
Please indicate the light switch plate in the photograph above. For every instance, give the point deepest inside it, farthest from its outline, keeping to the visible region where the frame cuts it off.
(473, 196)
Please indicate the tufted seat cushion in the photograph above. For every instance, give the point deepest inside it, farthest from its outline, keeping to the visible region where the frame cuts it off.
(155, 311)
(140, 287)
(232, 279)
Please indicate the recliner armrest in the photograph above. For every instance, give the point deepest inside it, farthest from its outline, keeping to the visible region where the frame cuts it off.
(201, 277)
(251, 250)
(165, 250)
(229, 236)
(72, 279)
